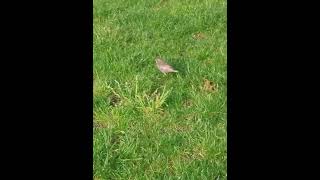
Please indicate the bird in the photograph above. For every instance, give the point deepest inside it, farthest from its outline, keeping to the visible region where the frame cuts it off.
(163, 66)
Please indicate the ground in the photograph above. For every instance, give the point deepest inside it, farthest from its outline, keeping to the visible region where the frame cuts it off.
(153, 126)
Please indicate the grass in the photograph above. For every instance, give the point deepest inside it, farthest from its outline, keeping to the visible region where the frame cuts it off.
(153, 126)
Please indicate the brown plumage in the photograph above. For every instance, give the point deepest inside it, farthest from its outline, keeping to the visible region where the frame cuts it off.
(163, 66)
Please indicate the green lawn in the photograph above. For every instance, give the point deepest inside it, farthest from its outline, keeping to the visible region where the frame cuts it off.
(153, 126)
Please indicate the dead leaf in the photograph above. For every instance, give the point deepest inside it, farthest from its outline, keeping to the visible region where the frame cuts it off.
(208, 62)
(189, 117)
(99, 124)
(161, 4)
(171, 167)
(199, 36)
(198, 153)
(114, 100)
(187, 103)
(180, 128)
(209, 86)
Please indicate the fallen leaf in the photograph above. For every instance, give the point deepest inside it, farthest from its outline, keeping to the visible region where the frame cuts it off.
(209, 86)
(208, 62)
(189, 116)
(172, 168)
(187, 103)
(114, 100)
(199, 36)
(161, 4)
(99, 124)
